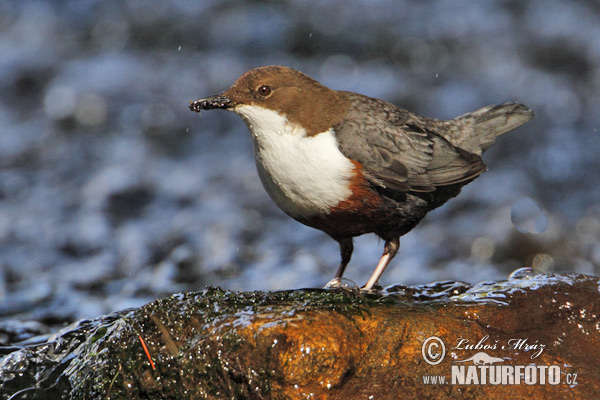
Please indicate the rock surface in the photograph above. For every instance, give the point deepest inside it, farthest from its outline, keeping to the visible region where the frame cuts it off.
(336, 343)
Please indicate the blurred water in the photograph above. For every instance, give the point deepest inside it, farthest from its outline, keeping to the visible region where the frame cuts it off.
(113, 193)
(528, 217)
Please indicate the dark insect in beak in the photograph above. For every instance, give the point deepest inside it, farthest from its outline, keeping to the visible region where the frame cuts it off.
(212, 102)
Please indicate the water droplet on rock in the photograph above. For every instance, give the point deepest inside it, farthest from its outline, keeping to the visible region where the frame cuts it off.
(522, 273)
(343, 283)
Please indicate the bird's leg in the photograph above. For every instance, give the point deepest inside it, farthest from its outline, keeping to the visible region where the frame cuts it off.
(346, 249)
(389, 251)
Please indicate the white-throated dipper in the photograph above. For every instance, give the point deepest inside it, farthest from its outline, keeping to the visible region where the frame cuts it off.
(349, 164)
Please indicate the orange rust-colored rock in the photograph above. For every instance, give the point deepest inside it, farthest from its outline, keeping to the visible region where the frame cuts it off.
(341, 344)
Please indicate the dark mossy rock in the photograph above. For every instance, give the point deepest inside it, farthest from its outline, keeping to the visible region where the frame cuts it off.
(335, 343)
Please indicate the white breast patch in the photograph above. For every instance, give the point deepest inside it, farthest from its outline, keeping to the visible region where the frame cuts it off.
(304, 175)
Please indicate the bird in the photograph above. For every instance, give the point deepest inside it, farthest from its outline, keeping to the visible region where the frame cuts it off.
(349, 164)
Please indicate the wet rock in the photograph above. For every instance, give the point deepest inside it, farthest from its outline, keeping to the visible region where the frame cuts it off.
(337, 343)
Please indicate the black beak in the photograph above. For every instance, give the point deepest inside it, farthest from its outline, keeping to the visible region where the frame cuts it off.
(212, 102)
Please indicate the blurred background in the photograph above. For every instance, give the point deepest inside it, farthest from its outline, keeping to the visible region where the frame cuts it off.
(112, 193)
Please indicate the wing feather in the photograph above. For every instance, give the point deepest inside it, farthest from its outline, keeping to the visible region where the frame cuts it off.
(398, 151)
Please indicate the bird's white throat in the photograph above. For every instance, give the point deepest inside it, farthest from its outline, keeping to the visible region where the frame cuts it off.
(304, 175)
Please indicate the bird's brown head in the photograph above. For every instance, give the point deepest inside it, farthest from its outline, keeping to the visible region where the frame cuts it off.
(299, 98)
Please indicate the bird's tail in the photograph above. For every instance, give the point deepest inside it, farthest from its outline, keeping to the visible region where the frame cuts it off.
(482, 127)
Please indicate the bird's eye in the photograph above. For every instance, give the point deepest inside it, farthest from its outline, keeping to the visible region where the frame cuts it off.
(264, 90)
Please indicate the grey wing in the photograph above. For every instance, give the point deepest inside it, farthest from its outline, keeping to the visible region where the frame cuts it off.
(398, 152)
